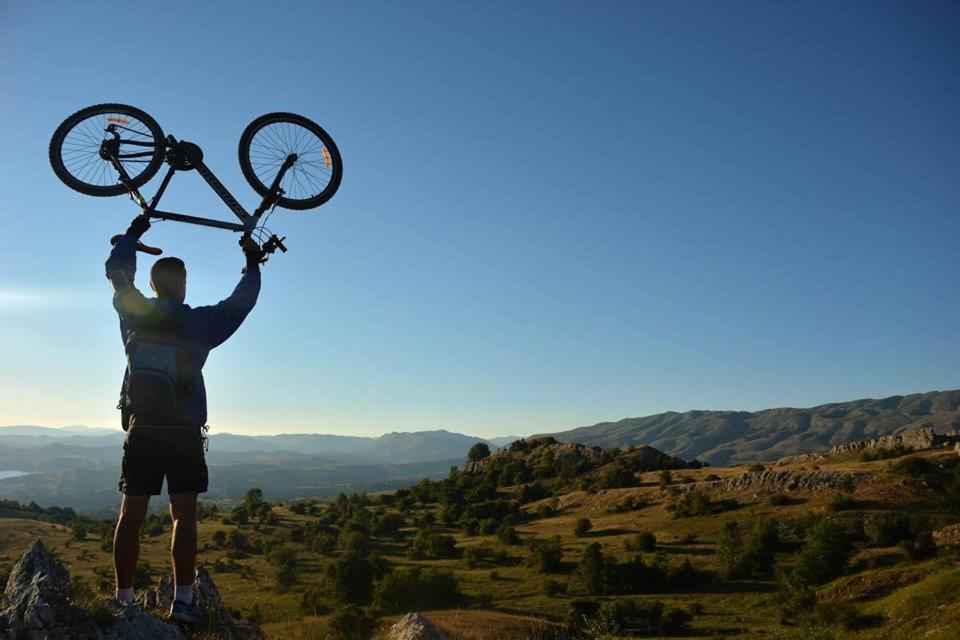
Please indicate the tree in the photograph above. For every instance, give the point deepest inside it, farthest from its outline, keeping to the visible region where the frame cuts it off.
(730, 551)
(582, 528)
(823, 556)
(593, 570)
(478, 452)
(416, 588)
(351, 579)
(547, 554)
(646, 541)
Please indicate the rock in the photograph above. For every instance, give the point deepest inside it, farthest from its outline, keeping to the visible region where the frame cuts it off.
(219, 620)
(911, 440)
(36, 604)
(133, 624)
(773, 481)
(414, 626)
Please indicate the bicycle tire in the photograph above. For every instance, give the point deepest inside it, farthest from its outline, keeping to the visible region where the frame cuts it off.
(332, 156)
(78, 183)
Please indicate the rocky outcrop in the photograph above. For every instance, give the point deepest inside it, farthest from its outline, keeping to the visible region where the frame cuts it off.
(769, 482)
(414, 626)
(219, 619)
(36, 601)
(37, 605)
(910, 440)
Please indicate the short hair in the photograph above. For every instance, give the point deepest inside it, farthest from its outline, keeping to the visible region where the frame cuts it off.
(169, 277)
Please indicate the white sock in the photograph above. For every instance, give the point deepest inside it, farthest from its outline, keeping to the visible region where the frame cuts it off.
(125, 595)
(184, 594)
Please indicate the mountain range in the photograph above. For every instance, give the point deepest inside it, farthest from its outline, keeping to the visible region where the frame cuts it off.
(730, 437)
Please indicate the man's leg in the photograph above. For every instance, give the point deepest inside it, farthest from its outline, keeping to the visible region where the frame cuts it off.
(126, 541)
(183, 511)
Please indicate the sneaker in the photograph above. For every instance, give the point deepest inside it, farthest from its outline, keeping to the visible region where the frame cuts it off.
(189, 613)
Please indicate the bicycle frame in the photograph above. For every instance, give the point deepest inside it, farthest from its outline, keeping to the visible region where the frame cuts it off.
(184, 156)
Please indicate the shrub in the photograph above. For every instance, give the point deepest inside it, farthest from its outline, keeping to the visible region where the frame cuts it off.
(547, 554)
(913, 466)
(350, 579)
(582, 528)
(886, 529)
(756, 468)
(415, 588)
(823, 556)
(351, 623)
(507, 534)
(666, 478)
(841, 501)
(553, 587)
(646, 541)
(778, 500)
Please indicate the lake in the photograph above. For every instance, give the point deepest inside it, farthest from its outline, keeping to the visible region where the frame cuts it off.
(11, 474)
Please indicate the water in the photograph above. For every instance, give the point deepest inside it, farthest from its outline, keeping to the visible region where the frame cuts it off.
(11, 474)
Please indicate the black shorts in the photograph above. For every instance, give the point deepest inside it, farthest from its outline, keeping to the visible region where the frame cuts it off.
(151, 452)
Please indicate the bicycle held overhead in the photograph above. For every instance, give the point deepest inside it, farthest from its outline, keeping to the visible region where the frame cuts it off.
(112, 149)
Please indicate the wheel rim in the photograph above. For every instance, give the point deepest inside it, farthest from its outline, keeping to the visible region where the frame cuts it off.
(310, 174)
(80, 149)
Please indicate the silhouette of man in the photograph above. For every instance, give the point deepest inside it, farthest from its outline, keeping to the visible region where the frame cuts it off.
(154, 450)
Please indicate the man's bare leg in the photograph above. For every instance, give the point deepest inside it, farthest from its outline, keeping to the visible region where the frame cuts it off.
(126, 540)
(183, 511)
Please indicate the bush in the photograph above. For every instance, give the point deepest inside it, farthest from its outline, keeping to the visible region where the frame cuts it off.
(507, 534)
(582, 528)
(646, 541)
(913, 466)
(351, 623)
(823, 556)
(547, 554)
(756, 468)
(552, 588)
(778, 500)
(350, 579)
(841, 501)
(416, 589)
(697, 503)
(886, 529)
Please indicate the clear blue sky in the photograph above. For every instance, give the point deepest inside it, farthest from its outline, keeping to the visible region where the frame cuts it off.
(552, 214)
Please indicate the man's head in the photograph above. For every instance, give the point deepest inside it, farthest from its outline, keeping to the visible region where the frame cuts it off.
(168, 279)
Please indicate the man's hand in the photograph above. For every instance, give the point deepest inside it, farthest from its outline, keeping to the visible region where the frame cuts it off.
(139, 226)
(251, 250)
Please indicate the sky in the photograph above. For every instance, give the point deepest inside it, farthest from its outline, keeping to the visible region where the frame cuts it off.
(552, 213)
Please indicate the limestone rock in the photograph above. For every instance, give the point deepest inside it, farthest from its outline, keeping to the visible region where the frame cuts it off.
(36, 603)
(414, 626)
(911, 440)
(218, 618)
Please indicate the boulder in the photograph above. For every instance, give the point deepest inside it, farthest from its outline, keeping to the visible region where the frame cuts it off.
(36, 601)
(414, 626)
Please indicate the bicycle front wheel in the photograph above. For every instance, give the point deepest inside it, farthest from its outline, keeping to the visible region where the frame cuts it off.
(75, 149)
(313, 178)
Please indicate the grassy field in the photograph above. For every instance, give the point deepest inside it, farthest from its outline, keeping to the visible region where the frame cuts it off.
(881, 594)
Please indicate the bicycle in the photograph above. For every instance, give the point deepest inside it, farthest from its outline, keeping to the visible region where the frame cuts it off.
(98, 141)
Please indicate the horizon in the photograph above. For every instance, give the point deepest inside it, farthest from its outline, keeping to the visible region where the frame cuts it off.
(549, 213)
(518, 435)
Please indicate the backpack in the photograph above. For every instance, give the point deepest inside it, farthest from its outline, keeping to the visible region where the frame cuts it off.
(159, 378)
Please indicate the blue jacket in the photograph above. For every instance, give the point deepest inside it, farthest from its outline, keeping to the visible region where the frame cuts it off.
(204, 328)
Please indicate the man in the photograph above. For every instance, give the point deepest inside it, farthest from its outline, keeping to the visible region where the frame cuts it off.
(171, 448)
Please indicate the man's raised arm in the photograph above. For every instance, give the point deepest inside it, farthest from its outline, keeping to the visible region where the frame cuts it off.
(121, 267)
(220, 321)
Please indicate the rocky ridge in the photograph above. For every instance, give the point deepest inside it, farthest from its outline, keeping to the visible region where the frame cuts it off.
(910, 440)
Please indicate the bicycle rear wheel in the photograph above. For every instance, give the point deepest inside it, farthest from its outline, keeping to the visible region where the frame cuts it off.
(313, 178)
(75, 149)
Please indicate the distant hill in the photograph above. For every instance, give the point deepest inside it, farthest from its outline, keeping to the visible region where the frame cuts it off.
(395, 447)
(729, 437)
